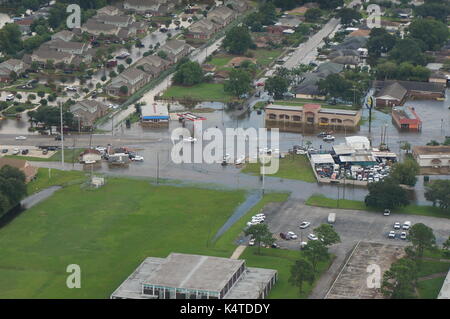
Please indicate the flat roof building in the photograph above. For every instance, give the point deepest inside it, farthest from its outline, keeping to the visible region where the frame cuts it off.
(406, 118)
(432, 156)
(185, 276)
(155, 114)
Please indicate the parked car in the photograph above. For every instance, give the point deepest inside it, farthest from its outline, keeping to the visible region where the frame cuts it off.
(45, 152)
(406, 225)
(58, 138)
(392, 234)
(25, 152)
(275, 245)
(284, 236)
(251, 242)
(10, 97)
(397, 225)
(21, 138)
(403, 235)
(71, 89)
(312, 237)
(292, 235)
(304, 225)
(328, 138)
(5, 150)
(387, 212)
(16, 151)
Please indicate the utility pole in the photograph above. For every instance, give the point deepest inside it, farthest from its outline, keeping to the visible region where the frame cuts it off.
(62, 135)
(157, 167)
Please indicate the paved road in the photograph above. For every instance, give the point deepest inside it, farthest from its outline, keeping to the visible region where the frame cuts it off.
(352, 226)
(34, 199)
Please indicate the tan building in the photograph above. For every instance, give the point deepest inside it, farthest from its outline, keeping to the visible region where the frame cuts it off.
(23, 165)
(312, 114)
(432, 156)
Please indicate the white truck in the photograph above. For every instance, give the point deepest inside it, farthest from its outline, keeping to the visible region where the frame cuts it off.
(331, 218)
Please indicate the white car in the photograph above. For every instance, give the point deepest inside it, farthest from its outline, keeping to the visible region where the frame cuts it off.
(387, 212)
(312, 237)
(251, 242)
(392, 234)
(71, 88)
(303, 244)
(328, 138)
(10, 97)
(292, 235)
(397, 225)
(15, 151)
(406, 225)
(403, 235)
(190, 139)
(89, 162)
(304, 225)
(21, 138)
(138, 158)
(101, 149)
(240, 160)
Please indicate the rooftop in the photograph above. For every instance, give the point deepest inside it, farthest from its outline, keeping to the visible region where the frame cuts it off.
(194, 272)
(431, 150)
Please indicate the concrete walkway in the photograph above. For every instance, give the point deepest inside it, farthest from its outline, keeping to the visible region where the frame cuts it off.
(238, 252)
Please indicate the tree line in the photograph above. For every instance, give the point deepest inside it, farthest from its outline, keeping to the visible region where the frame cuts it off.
(12, 188)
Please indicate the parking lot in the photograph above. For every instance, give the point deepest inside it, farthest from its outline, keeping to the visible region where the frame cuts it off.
(352, 227)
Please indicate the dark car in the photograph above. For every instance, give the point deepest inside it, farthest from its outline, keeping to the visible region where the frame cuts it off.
(24, 152)
(5, 150)
(275, 245)
(58, 138)
(45, 152)
(284, 236)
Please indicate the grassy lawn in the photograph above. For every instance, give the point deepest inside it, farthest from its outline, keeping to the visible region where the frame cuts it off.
(265, 56)
(201, 92)
(429, 289)
(323, 201)
(220, 61)
(70, 156)
(291, 167)
(12, 110)
(108, 232)
(56, 177)
(281, 260)
(430, 267)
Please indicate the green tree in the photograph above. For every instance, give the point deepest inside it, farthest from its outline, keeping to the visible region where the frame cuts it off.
(407, 50)
(162, 54)
(261, 234)
(431, 32)
(316, 251)
(120, 68)
(438, 192)
(380, 42)
(123, 90)
(405, 173)
(237, 40)
(439, 11)
(330, 4)
(313, 14)
(238, 83)
(277, 86)
(188, 74)
(10, 39)
(399, 281)
(327, 235)
(336, 86)
(421, 237)
(386, 194)
(12, 172)
(302, 271)
(347, 15)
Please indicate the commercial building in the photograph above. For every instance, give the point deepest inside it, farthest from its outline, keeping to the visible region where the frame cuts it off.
(155, 115)
(312, 114)
(406, 118)
(432, 156)
(184, 276)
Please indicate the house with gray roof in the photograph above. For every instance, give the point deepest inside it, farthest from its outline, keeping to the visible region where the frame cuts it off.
(95, 27)
(44, 54)
(9, 66)
(132, 78)
(87, 111)
(152, 65)
(155, 7)
(122, 21)
(221, 15)
(176, 49)
(77, 48)
(203, 29)
(109, 10)
(237, 5)
(63, 35)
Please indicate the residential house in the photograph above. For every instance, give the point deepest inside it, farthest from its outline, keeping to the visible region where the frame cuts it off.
(152, 65)
(347, 61)
(122, 21)
(77, 48)
(43, 54)
(138, 27)
(87, 111)
(438, 77)
(202, 29)
(221, 15)
(176, 49)
(96, 27)
(63, 35)
(155, 7)
(237, 5)
(109, 10)
(24, 25)
(11, 65)
(23, 165)
(132, 78)
(391, 95)
(290, 22)
(90, 156)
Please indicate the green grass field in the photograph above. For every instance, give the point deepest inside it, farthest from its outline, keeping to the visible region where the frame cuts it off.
(54, 177)
(323, 201)
(201, 92)
(265, 56)
(70, 156)
(291, 167)
(429, 289)
(108, 232)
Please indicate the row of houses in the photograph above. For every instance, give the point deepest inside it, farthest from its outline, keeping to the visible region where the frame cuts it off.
(216, 19)
(147, 68)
